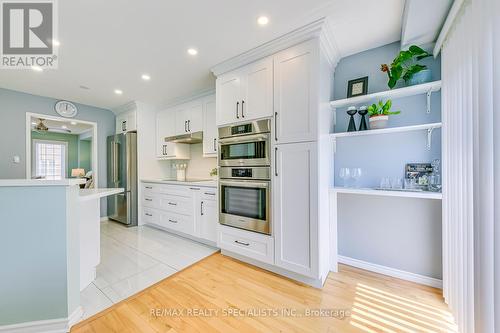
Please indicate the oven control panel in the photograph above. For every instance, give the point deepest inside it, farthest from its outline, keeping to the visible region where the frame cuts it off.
(241, 173)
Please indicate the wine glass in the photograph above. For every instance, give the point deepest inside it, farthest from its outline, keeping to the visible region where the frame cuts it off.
(356, 174)
(345, 174)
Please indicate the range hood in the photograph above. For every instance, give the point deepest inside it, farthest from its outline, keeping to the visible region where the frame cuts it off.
(190, 138)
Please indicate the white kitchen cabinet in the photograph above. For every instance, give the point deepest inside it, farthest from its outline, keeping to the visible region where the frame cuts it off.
(296, 94)
(296, 207)
(165, 127)
(207, 222)
(126, 122)
(189, 118)
(210, 133)
(246, 243)
(246, 93)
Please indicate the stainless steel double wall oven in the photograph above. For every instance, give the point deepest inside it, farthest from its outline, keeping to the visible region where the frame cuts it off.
(245, 176)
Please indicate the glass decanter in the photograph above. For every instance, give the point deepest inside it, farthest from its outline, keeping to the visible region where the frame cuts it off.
(435, 177)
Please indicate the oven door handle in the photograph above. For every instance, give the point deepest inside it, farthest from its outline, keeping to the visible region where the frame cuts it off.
(245, 139)
(245, 183)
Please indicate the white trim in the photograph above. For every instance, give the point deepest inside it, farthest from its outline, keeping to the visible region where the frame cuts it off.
(389, 193)
(29, 115)
(51, 142)
(404, 275)
(448, 24)
(186, 99)
(61, 325)
(318, 29)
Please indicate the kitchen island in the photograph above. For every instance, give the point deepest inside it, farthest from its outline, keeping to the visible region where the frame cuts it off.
(46, 243)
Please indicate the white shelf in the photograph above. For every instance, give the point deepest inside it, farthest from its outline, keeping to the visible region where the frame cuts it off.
(388, 130)
(402, 194)
(425, 88)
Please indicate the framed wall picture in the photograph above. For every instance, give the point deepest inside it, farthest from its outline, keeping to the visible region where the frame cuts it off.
(357, 87)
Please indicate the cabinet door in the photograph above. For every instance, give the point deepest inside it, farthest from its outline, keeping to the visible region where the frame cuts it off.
(257, 90)
(121, 123)
(295, 103)
(181, 118)
(208, 220)
(195, 117)
(165, 127)
(210, 134)
(295, 208)
(228, 99)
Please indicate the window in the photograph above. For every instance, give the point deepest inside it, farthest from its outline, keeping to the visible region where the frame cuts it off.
(50, 159)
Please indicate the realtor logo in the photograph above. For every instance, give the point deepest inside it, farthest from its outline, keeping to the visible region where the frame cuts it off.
(28, 31)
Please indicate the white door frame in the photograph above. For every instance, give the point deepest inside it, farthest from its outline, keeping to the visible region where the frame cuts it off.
(29, 115)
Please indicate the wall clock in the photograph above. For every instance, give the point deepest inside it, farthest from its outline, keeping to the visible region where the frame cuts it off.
(66, 109)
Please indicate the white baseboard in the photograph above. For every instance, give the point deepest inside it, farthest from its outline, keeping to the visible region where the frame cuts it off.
(104, 218)
(417, 278)
(61, 325)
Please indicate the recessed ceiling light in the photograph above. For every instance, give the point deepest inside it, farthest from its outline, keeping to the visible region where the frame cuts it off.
(146, 77)
(55, 42)
(263, 20)
(37, 68)
(64, 127)
(73, 123)
(193, 51)
(118, 92)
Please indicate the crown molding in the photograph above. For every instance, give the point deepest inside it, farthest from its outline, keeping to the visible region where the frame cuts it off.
(131, 106)
(320, 29)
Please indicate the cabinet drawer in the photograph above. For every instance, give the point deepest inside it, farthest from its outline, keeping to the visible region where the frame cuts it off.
(247, 243)
(149, 188)
(177, 222)
(174, 190)
(150, 201)
(176, 204)
(208, 194)
(150, 216)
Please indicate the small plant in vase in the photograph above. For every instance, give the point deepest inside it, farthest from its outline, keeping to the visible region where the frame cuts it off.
(213, 173)
(379, 114)
(405, 66)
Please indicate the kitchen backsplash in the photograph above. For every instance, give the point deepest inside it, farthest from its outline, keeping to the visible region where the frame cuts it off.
(198, 167)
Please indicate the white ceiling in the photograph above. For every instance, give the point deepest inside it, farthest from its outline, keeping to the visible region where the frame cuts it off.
(107, 45)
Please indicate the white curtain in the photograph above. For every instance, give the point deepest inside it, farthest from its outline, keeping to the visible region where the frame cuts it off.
(471, 167)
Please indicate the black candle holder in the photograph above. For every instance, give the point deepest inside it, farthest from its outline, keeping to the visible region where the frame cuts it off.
(363, 111)
(352, 125)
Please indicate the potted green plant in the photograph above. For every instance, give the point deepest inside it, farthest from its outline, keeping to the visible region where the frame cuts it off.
(405, 66)
(379, 114)
(213, 173)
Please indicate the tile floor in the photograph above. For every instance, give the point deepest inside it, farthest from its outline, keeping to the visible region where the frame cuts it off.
(133, 259)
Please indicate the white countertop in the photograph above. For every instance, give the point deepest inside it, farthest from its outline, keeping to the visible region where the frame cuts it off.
(189, 182)
(96, 193)
(40, 182)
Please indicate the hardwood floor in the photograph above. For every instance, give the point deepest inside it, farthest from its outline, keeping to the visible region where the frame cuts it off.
(220, 294)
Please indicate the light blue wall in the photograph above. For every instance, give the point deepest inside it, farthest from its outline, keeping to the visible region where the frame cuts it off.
(13, 108)
(33, 254)
(402, 233)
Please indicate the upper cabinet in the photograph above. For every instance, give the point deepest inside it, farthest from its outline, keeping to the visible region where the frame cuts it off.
(189, 118)
(210, 134)
(296, 94)
(246, 93)
(126, 122)
(165, 127)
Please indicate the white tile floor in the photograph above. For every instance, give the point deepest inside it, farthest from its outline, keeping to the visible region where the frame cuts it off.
(133, 259)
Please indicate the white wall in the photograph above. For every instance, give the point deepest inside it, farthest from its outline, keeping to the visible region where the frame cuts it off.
(199, 166)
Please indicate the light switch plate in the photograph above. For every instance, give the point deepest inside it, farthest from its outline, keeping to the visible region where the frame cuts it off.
(16, 159)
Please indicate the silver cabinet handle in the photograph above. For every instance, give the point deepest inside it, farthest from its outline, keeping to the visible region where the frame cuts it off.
(276, 161)
(172, 221)
(148, 199)
(201, 207)
(237, 106)
(215, 144)
(149, 187)
(242, 107)
(241, 243)
(148, 214)
(172, 204)
(164, 149)
(194, 188)
(185, 125)
(189, 125)
(208, 193)
(276, 126)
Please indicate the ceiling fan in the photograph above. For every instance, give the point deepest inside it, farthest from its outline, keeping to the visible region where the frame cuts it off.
(40, 127)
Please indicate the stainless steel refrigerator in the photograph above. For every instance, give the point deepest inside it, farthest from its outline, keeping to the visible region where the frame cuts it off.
(122, 173)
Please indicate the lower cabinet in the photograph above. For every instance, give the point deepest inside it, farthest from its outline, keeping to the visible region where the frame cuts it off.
(189, 210)
(295, 207)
